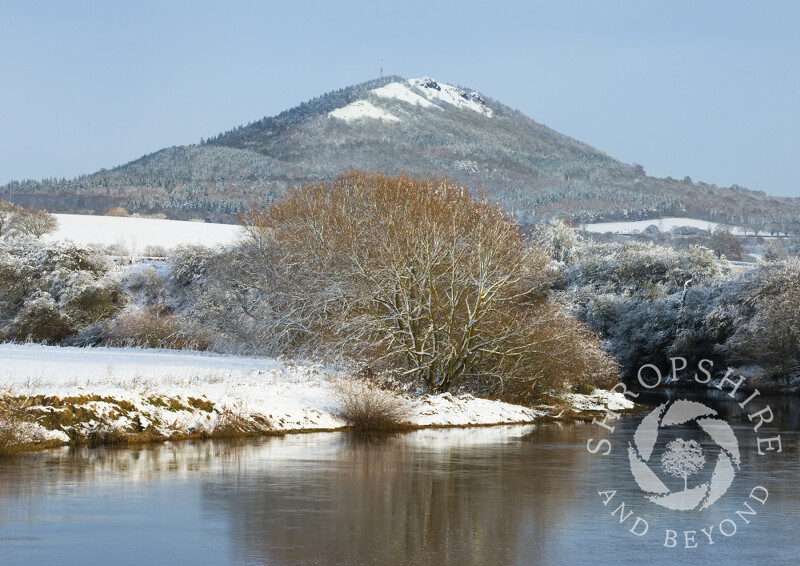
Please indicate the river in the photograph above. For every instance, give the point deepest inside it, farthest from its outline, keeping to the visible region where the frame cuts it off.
(494, 495)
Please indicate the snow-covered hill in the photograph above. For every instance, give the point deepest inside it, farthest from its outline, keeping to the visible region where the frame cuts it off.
(421, 127)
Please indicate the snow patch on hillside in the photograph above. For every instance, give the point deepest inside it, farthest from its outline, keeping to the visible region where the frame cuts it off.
(136, 233)
(404, 94)
(362, 109)
(663, 224)
(452, 95)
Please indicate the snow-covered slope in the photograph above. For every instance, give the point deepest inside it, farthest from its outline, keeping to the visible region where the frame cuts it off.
(452, 95)
(136, 233)
(362, 109)
(663, 224)
(400, 91)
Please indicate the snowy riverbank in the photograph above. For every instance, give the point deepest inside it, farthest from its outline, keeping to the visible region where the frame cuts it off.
(81, 392)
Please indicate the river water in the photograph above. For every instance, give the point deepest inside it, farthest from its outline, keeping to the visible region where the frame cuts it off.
(484, 496)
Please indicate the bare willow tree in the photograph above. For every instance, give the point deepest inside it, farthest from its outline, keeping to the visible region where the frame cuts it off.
(416, 275)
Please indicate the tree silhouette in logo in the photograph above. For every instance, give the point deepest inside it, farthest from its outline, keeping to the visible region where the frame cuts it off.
(682, 459)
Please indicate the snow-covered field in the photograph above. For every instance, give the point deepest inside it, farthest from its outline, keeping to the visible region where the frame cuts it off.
(664, 224)
(188, 392)
(136, 233)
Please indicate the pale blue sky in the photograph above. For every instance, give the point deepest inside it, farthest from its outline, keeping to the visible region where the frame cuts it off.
(699, 88)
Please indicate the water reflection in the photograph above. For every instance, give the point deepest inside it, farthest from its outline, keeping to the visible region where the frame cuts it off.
(416, 499)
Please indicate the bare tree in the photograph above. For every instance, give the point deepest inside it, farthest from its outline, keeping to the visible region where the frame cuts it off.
(34, 222)
(726, 244)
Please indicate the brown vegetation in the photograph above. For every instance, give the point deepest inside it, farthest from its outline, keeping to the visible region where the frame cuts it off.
(368, 407)
(117, 211)
(12, 416)
(725, 244)
(88, 423)
(41, 320)
(155, 328)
